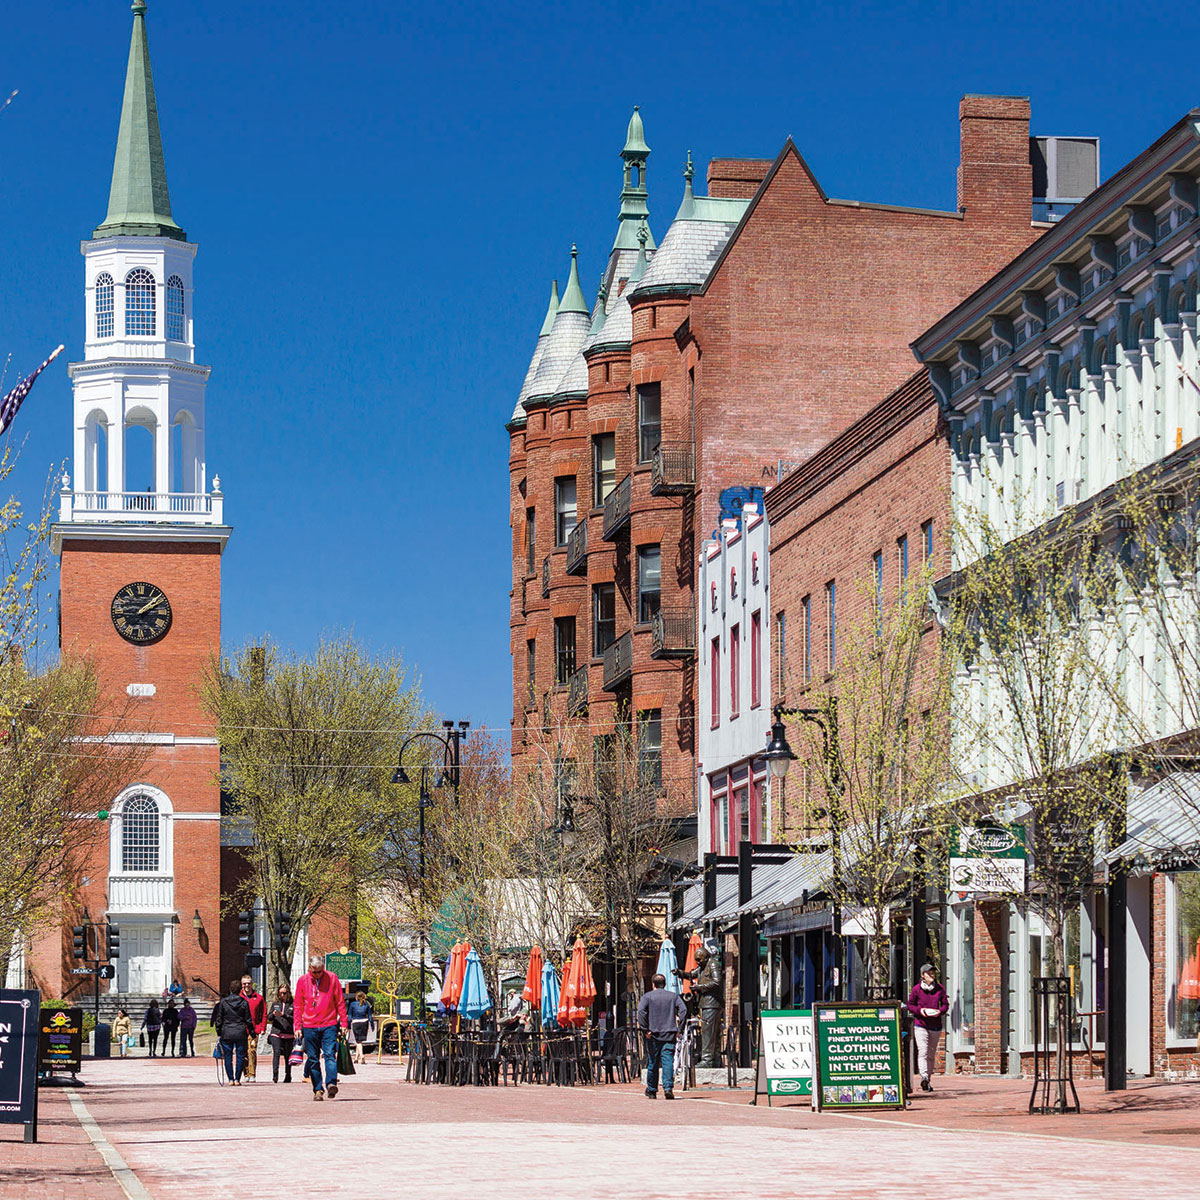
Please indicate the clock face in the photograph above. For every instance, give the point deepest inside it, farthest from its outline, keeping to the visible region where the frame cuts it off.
(141, 613)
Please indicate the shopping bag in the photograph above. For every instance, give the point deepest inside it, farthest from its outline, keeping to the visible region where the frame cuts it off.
(345, 1060)
(141, 1039)
(264, 1045)
(297, 1055)
(217, 1053)
(129, 1041)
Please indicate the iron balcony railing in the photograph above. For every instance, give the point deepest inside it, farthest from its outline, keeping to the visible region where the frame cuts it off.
(577, 692)
(616, 508)
(618, 661)
(577, 549)
(546, 578)
(673, 633)
(673, 470)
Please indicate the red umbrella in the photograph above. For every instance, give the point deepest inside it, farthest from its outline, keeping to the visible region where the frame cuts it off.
(453, 984)
(1189, 978)
(694, 944)
(448, 982)
(532, 991)
(580, 989)
(564, 1001)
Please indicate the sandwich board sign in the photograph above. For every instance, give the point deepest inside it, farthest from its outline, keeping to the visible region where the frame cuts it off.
(19, 1013)
(785, 1054)
(859, 1061)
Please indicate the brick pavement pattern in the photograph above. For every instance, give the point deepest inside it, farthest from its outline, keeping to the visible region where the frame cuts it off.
(184, 1136)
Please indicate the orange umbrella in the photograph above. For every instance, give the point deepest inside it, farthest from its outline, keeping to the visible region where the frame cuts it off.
(564, 1001)
(1189, 978)
(448, 981)
(694, 944)
(580, 989)
(452, 985)
(532, 991)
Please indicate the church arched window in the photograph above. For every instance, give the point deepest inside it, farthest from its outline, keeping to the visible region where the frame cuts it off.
(139, 835)
(175, 309)
(139, 303)
(104, 305)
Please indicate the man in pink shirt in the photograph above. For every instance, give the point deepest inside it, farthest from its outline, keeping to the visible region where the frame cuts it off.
(320, 1010)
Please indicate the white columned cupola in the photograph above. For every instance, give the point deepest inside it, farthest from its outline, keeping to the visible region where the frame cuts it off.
(139, 378)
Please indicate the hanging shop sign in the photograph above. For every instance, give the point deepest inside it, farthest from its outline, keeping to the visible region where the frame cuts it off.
(858, 1056)
(785, 1057)
(987, 858)
(18, 1059)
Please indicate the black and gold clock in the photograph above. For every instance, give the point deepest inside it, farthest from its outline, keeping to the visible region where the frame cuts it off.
(141, 613)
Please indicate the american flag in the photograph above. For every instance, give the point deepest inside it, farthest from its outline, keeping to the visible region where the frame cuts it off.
(14, 399)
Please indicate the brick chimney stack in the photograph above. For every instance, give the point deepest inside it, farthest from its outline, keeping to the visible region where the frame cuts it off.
(995, 178)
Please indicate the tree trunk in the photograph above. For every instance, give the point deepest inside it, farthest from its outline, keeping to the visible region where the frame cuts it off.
(1056, 926)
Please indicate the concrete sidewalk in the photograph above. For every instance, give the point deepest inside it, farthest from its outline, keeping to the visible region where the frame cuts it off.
(182, 1135)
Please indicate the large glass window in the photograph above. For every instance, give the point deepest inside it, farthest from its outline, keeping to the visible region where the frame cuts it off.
(831, 624)
(714, 659)
(564, 509)
(649, 420)
(139, 835)
(530, 541)
(877, 573)
(649, 568)
(962, 1011)
(901, 562)
(781, 653)
(735, 640)
(104, 305)
(139, 303)
(175, 308)
(1184, 995)
(719, 791)
(604, 617)
(806, 604)
(604, 466)
(531, 666)
(755, 660)
(564, 649)
(650, 748)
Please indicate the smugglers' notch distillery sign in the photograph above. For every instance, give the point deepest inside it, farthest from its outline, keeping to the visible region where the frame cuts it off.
(987, 858)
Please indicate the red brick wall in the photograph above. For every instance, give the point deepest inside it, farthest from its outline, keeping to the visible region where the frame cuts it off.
(989, 982)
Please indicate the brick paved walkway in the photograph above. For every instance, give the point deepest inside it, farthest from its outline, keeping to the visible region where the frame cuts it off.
(185, 1137)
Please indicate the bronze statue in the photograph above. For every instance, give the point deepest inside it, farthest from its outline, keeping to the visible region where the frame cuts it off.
(708, 986)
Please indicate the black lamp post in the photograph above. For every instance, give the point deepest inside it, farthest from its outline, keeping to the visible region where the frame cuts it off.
(451, 771)
(779, 757)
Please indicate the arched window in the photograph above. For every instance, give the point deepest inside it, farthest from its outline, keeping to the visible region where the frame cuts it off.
(139, 835)
(104, 305)
(175, 309)
(139, 303)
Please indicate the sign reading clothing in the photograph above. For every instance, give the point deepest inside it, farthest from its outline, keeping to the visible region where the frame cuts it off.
(18, 1057)
(858, 1056)
(787, 1051)
(987, 858)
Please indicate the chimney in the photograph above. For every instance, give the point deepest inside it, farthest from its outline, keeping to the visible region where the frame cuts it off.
(995, 178)
(736, 178)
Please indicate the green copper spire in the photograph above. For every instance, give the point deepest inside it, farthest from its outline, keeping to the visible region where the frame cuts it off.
(639, 267)
(634, 209)
(688, 205)
(600, 313)
(573, 300)
(551, 311)
(138, 202)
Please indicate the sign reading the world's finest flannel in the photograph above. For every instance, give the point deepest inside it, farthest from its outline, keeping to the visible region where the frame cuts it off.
(18, 1056)
(987, 858)
(347, 967)
(858, 1055)
(60, 1039)
(786, 1051)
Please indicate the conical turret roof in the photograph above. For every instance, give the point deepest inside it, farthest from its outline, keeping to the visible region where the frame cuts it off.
(567, 335)
(543, 336)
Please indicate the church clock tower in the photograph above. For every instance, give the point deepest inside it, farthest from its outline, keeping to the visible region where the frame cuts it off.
(140, 534)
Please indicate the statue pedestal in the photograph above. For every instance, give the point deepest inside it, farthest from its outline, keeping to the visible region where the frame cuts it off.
(709, 1077)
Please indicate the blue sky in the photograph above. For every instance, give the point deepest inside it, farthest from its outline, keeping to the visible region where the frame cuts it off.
(381, 193)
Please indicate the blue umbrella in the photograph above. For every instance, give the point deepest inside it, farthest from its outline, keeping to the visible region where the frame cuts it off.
(668, 964)
(475, 1000)
(550, 989)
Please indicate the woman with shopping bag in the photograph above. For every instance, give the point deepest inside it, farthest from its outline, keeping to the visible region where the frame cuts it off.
(122, 1030)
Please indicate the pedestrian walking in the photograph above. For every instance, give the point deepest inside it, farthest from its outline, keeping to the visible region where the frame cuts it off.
(151, 1025)
(187, 1030)
(233, 1023)
(282, 1037)
(258, 1017)
(122, 1030)
(170, 1028)
(362, 1016)
(928, 1003)
(319, 1011)
(660, 1016)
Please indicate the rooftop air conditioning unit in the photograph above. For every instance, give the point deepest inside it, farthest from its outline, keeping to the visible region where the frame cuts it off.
(1065, 171)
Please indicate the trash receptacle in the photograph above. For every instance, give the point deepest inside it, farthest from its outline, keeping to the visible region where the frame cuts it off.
(103, 1041)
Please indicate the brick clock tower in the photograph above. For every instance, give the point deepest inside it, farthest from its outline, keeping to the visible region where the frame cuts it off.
(140, 534)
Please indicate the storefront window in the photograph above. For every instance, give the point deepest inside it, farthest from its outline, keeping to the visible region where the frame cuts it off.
(1185, 990)
(1041, 963)
(963, 1012)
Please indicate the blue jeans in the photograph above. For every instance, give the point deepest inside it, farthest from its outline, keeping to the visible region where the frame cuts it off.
(231, 1051)
(661, 1054)
(320, 1043)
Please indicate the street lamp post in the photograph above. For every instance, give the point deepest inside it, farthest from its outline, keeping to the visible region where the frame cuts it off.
(779, 756)
(451, 769)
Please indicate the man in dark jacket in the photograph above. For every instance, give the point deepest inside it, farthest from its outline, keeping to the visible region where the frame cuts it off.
(233, 1023)
(659, 1016)
(170, 1027)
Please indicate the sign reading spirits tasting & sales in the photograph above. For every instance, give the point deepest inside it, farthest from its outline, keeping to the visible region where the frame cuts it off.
(786, 1052)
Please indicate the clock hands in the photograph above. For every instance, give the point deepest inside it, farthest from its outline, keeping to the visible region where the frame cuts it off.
(156, 600)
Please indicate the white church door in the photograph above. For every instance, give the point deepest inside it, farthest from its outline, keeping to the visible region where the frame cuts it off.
(142, 965)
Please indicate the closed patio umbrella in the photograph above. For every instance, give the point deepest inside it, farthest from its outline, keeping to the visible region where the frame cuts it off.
(580, 989)
(694, 944)
(532, 991)
(668, 964)
(550, 992)
(564, 996)
(1189, 977)
(448, 978)
(474, 1001)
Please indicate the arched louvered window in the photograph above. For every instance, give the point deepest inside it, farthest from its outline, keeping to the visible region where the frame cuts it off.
(139, 303)
(140, 835)
(104, 305)
(175, 309)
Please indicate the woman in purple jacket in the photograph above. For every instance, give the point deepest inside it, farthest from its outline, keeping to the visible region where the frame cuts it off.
(927, 1003)
(187, 1030)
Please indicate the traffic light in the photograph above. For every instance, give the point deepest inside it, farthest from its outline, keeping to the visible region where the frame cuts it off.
(245, 927)
(113, 942)
(283, 930)
(79, 941)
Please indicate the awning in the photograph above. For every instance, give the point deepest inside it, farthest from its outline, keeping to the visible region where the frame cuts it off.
(773, 886)
(1162, 823)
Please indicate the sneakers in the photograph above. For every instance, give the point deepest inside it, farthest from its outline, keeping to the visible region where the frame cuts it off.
(318, 1095)
(926, 1086)
(668, 1095)
(332, 1090)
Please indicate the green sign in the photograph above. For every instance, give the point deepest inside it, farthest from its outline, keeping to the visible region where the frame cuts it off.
(858, 1055)
(786, 1051)
(347, 967)
(987, 858)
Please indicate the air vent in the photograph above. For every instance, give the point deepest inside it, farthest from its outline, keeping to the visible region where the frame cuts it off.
(1065, 170)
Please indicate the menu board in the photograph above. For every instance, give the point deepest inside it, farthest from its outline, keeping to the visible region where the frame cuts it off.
(859, 1062)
